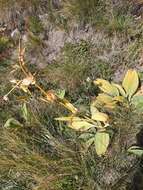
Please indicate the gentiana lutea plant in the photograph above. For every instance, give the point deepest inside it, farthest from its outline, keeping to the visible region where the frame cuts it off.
(128, 93)
(96, 121)
(93, 127)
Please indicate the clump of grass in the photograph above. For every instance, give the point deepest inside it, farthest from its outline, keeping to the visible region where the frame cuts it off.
(56, 16)
(76, 65)
(71, 68)
(119, 24)
(103, 15)
(8, 3)
(35, 25)
(26, 165)
(4, 43)
(91, 11)
(34, 43)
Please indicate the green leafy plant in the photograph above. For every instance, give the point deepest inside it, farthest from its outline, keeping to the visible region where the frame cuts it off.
(128, 93)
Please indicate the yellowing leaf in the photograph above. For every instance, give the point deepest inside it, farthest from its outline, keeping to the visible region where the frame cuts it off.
(106, 87)
(104, 98)
(93, 109)
(118, 98)
(80, 124)
(68, 105)
(121, 90)
(131, 82)
(98, 116)
(101, 143)
(111, 105)
(76, 123)
(64, 118)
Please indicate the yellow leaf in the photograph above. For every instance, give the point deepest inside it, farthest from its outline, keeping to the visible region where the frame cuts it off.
(76, 123)
(93, 109)
(118, 98)
(111, 105)
(80, 124)
(131, 82)
(102, 140)
(98, 116)
(104, 98)
(64, 118)
(68, 105)
(121, 90)
(106, 87)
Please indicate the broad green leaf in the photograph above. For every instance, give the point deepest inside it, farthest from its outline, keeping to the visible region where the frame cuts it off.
(137, 101)
(121, 90)
(138, 151)
(99, 116)
(131, 82)
(106, 87)
(12, 123)
(101, 142)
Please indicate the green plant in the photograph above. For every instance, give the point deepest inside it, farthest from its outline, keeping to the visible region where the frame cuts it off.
(128, 93)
